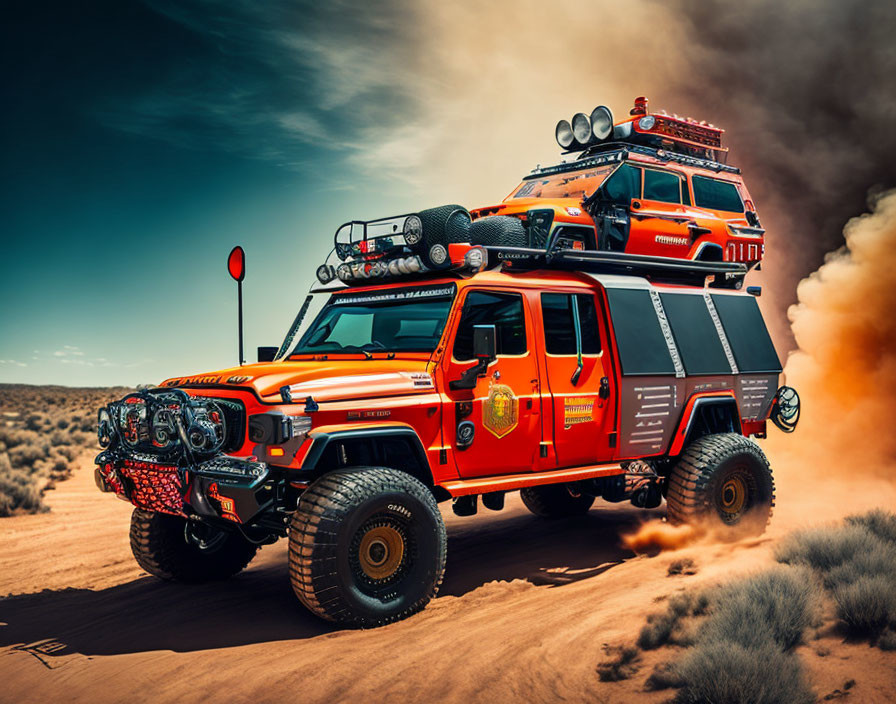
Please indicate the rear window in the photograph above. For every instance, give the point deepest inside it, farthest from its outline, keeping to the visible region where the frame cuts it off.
(713, 194)
(746, 332)
(642, 346)
(559, 325)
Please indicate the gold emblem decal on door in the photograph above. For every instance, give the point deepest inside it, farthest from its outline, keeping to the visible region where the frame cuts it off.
(501, 410)
(577, 410)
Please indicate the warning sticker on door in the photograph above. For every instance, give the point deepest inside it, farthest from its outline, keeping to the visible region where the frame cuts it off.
(501, 410)
(577, 410)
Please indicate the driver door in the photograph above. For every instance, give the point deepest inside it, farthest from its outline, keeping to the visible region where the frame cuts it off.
(504, 407)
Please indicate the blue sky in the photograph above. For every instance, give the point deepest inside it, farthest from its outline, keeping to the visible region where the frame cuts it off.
(142, 140)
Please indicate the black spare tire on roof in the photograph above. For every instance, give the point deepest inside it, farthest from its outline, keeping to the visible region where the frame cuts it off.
(441, 227)
(499, 231)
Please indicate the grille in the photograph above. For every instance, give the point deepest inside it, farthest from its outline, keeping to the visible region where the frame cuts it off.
(154, 487)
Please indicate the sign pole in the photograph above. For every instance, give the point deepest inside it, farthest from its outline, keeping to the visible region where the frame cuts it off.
(236, 267)
(239, 304)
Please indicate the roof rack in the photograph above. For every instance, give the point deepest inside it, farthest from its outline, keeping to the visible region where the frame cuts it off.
(611, 152)
(667, 269)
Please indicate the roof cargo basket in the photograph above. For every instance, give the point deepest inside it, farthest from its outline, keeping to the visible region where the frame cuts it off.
(668, 269)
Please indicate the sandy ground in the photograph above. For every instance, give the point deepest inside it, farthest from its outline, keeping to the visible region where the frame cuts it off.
(525, 611)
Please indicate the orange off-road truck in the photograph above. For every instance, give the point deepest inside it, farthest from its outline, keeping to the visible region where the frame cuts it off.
(446, 371)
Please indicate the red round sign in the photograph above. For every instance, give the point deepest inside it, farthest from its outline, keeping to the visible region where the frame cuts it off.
(236, 263)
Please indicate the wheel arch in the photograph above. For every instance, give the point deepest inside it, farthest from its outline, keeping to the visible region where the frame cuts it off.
(706, 414)
(398, 447)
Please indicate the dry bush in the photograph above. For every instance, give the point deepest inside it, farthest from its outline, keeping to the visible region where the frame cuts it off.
(670, 626)
(621, 666)
(822, 548)
(43, 430)
(685, 566)
(722, 671)
(777, 605)
(879, 522)
(857, 564)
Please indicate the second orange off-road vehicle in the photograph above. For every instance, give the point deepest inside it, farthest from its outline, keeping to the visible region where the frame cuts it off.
(441, 370)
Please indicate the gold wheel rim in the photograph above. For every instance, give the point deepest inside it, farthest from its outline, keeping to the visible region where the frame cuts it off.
(380, 552)
(733, 496)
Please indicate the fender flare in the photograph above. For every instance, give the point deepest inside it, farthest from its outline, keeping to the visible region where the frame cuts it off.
(691, 411)
(320, 441)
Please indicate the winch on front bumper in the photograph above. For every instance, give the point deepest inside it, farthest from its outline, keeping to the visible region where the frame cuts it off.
(163, 450)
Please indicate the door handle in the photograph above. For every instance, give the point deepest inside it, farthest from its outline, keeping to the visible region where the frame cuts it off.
(604, 391)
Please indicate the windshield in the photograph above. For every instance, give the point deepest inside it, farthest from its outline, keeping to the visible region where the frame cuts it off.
(406, 320)
(569, 184)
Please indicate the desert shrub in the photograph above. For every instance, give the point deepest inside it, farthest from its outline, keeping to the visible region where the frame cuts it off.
(867, 605)
(887, 641)
(664, 676)
(669, 626)
(822, 548)
(879, 522)
(722, 671)
(777, 605)
(620, 667)
(878, 558)
(685, 565)
(44, 430)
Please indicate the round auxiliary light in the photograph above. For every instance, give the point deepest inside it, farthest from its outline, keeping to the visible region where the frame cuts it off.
(344, 272)
(414, 264)
(475, 258)
(581, 128)
(394, 267)
(601, 122)
(648, 122)
(403, 267)
(325, 273)
(563, 134)
(438, 255)
(379, 268)
(413, 229)
(343, 250)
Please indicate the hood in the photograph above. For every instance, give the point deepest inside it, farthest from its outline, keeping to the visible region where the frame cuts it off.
(328, 380)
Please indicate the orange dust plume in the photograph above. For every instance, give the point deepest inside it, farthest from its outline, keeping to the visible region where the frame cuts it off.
(845, 367)
(657, 536)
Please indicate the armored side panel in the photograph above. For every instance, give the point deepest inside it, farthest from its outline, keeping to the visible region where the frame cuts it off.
(675, 342)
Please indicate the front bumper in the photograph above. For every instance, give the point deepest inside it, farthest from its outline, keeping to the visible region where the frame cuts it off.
(230, 488)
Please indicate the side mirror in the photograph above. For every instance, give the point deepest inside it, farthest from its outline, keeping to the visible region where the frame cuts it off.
(484, 350)
(267, 354)
(484, 344)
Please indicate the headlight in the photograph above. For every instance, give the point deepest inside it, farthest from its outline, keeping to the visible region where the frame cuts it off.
(413, 229)
(581, 128)
(563, 134)
(647, 122)
(601, 122)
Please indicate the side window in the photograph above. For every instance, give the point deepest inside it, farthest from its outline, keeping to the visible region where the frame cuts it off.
(716, 195)
(559, 325)
(685, 192)
(504, 311)
(662, 186)
(624, 184)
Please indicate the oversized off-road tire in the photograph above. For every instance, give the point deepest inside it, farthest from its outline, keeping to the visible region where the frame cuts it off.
(161, 546)
(499, 231)
(442, 226)
(555, 500)
(367, 546)
(722, 479)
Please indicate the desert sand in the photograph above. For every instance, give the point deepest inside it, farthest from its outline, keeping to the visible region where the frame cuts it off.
(524, 614)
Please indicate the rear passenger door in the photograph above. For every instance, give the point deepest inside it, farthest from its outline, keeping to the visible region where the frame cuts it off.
(579, 378)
